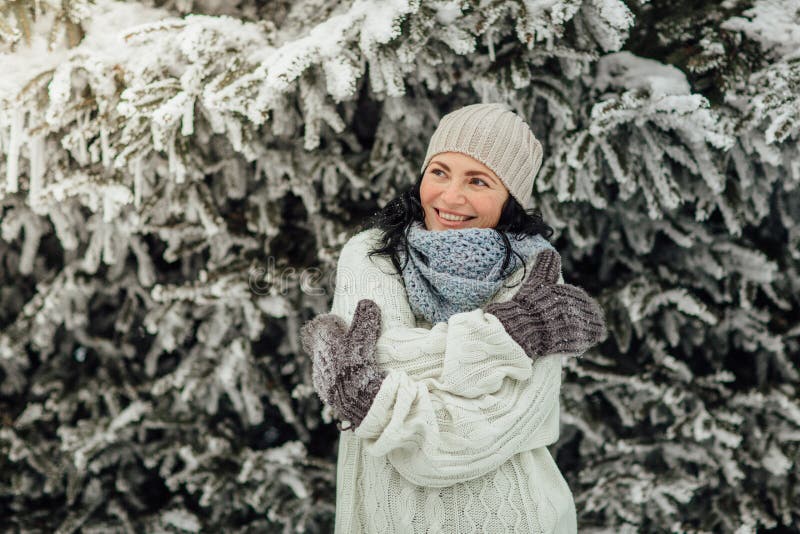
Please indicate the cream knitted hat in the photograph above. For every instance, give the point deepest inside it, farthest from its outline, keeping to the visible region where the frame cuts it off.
(498, 138)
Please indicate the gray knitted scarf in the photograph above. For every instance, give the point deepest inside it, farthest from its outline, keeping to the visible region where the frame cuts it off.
(452, 271)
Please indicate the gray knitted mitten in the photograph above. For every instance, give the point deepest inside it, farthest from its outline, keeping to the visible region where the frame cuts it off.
(344, 372)
(545, 317)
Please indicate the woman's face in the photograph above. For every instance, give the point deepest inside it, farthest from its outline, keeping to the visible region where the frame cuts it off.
(458, 184)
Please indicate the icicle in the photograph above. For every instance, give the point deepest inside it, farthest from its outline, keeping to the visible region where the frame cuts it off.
(109, 252)
(33, 235)
(145, 270)
(187, 120)
(234, 129)
(64, 230)
(138, 182)
(176, 168)
(36, 155)
(82, 154)
(91, 256)
(104, 146)
(14, 143)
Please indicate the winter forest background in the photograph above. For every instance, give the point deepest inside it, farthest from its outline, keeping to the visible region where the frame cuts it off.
(177, 178)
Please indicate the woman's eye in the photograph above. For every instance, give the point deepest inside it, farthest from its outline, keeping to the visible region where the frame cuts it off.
(440, 173)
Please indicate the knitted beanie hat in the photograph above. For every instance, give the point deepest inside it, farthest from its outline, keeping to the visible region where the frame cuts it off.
(498, 138)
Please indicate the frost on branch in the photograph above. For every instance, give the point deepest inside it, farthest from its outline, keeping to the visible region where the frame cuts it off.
(168, 182)
(641, 135)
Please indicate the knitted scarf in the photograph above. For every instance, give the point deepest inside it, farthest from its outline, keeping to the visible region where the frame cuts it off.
(452, 271)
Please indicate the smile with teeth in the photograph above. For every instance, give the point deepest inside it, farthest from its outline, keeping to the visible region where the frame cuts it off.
(450, 217)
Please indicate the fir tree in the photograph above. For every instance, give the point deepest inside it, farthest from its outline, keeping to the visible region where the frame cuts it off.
(178, 176)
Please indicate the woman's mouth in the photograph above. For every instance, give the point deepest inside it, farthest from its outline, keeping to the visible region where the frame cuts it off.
(452, 220)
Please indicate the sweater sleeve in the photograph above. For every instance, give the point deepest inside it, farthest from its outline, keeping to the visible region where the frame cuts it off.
(482, 401)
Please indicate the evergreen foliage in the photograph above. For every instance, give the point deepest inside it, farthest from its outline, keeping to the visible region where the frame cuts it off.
(178, 176)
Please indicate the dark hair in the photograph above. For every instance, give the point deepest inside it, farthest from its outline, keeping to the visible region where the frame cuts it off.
(396, 218)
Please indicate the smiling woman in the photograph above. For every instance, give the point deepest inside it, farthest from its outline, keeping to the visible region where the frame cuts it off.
(458, 191)
(449, 379)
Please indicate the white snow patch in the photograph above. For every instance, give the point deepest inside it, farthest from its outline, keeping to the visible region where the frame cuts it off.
(626, 70)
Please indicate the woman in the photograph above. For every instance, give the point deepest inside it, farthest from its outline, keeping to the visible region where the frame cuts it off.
(448, 377)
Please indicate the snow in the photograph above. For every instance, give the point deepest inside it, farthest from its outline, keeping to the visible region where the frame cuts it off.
(190, 52)
(59, 90)
(341, 76)
(182, 520)
(380, 26)
(624, 69)
(609, 22)
(773, 23)
(448, 12)
(28, 61)
(103, 37)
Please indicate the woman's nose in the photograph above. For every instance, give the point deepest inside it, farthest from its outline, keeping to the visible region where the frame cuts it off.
(453, 193)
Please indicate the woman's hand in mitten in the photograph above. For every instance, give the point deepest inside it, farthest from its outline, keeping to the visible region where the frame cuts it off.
(545, 317)
(345, 374)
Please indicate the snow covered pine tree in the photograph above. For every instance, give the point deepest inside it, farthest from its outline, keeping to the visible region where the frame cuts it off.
(177, 178)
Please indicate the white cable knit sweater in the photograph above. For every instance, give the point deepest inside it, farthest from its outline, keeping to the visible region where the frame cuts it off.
(455, 441)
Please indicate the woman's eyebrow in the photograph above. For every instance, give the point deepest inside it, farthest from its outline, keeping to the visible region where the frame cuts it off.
(468, 173)
(479, 173)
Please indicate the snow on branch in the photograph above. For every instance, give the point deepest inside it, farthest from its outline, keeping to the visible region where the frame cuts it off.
(645, 123)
